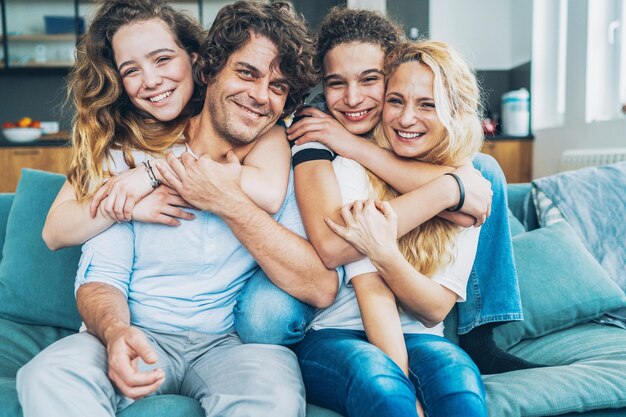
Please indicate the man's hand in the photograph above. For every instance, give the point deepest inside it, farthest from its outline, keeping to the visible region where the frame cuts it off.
(163, 206)
(203, 182)
(323, 128)
(118, 196)
(477, 193)
(125, 347)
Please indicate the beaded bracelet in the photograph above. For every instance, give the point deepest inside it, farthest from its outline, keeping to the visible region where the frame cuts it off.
(461, 192)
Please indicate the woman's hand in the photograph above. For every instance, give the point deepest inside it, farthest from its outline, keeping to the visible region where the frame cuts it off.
(163, 206)
(371, 227)
(321, 127)
(119, 195)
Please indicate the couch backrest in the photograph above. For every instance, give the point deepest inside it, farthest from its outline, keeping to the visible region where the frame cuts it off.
(6, 200)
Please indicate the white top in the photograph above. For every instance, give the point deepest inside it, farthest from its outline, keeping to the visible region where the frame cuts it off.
(345, 313)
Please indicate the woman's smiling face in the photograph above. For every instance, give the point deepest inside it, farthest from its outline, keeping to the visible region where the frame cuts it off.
(410, 119)
(156, 72)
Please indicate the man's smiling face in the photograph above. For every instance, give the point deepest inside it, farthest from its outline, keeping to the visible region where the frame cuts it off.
(354, 85)
(246, 98)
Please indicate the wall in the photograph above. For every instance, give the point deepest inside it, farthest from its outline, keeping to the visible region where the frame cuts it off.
(575, 132)
(499, 47)
(486, 45)
(38, 94)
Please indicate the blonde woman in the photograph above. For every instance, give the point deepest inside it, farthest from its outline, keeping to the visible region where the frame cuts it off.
(430, 113)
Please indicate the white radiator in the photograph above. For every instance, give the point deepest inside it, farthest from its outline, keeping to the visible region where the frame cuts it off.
(580, 158)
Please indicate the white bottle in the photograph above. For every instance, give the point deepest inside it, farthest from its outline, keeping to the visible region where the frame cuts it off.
(516, 113)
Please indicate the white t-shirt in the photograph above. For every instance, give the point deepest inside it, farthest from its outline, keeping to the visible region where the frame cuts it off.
(345, 313)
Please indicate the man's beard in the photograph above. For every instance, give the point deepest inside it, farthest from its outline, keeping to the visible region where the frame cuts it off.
(236, 134)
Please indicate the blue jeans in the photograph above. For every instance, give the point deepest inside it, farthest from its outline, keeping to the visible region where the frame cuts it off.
(342, 371)
(265, 314)
(492, 290)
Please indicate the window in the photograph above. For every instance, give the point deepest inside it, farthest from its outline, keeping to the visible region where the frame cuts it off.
(606, 60)
(549, 63)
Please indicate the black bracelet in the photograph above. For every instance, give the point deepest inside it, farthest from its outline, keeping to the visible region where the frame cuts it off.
(461, 192)
(154, 181)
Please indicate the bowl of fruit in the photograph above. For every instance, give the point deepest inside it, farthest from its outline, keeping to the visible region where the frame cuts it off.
(25, 130)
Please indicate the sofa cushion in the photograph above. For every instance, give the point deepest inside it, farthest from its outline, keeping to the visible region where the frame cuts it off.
(6, 200)
(164, 406)
(588, 372)
(517, 228)
(9, 404)
(589, 199)
(522, 205)
(561, 284)
(21, 342)
(36, 284)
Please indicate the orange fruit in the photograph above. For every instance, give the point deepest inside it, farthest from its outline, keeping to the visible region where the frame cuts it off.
(35, 124)
(24, 122)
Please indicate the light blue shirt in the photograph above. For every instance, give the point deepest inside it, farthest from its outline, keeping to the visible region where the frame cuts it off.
(178, 278)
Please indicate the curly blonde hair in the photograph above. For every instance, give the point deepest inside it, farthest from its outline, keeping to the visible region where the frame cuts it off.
(105, 119)
(457, 102)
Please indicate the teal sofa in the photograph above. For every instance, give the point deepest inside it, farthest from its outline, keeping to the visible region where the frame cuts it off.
(562, 286)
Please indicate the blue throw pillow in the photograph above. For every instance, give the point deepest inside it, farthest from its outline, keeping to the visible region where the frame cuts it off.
(36, 284)
(561, 284)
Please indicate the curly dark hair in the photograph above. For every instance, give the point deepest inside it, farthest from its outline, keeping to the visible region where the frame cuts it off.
(280, 24)
(342, 25)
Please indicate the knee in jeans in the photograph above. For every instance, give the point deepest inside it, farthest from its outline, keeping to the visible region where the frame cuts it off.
(489, 168)
(388, 385)
(462, 375)
(378, 377)
(270, 323)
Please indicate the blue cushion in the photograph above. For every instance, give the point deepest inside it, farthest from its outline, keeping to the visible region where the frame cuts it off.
(6, 200)
(164, 406)
(588, 372)
(517, 228)
(21, 342)
(9, 404)
(561, 284)
(36, 284)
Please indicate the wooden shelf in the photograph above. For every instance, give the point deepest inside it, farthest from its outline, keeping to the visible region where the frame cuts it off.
(69, 37)
(515, 157)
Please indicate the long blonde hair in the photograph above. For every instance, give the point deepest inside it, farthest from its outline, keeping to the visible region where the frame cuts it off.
(457, 102)
(105, 119)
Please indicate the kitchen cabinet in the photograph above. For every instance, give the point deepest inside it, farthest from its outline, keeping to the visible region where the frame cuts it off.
(45, 158)
(513, 155)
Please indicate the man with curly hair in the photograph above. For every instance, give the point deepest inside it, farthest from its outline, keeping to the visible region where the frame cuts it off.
(157, 302)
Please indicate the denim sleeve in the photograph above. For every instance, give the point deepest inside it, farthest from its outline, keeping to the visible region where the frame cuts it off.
(108, 258)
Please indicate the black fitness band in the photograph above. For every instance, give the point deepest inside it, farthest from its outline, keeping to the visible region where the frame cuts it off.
(311, 154)
(461, 191)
